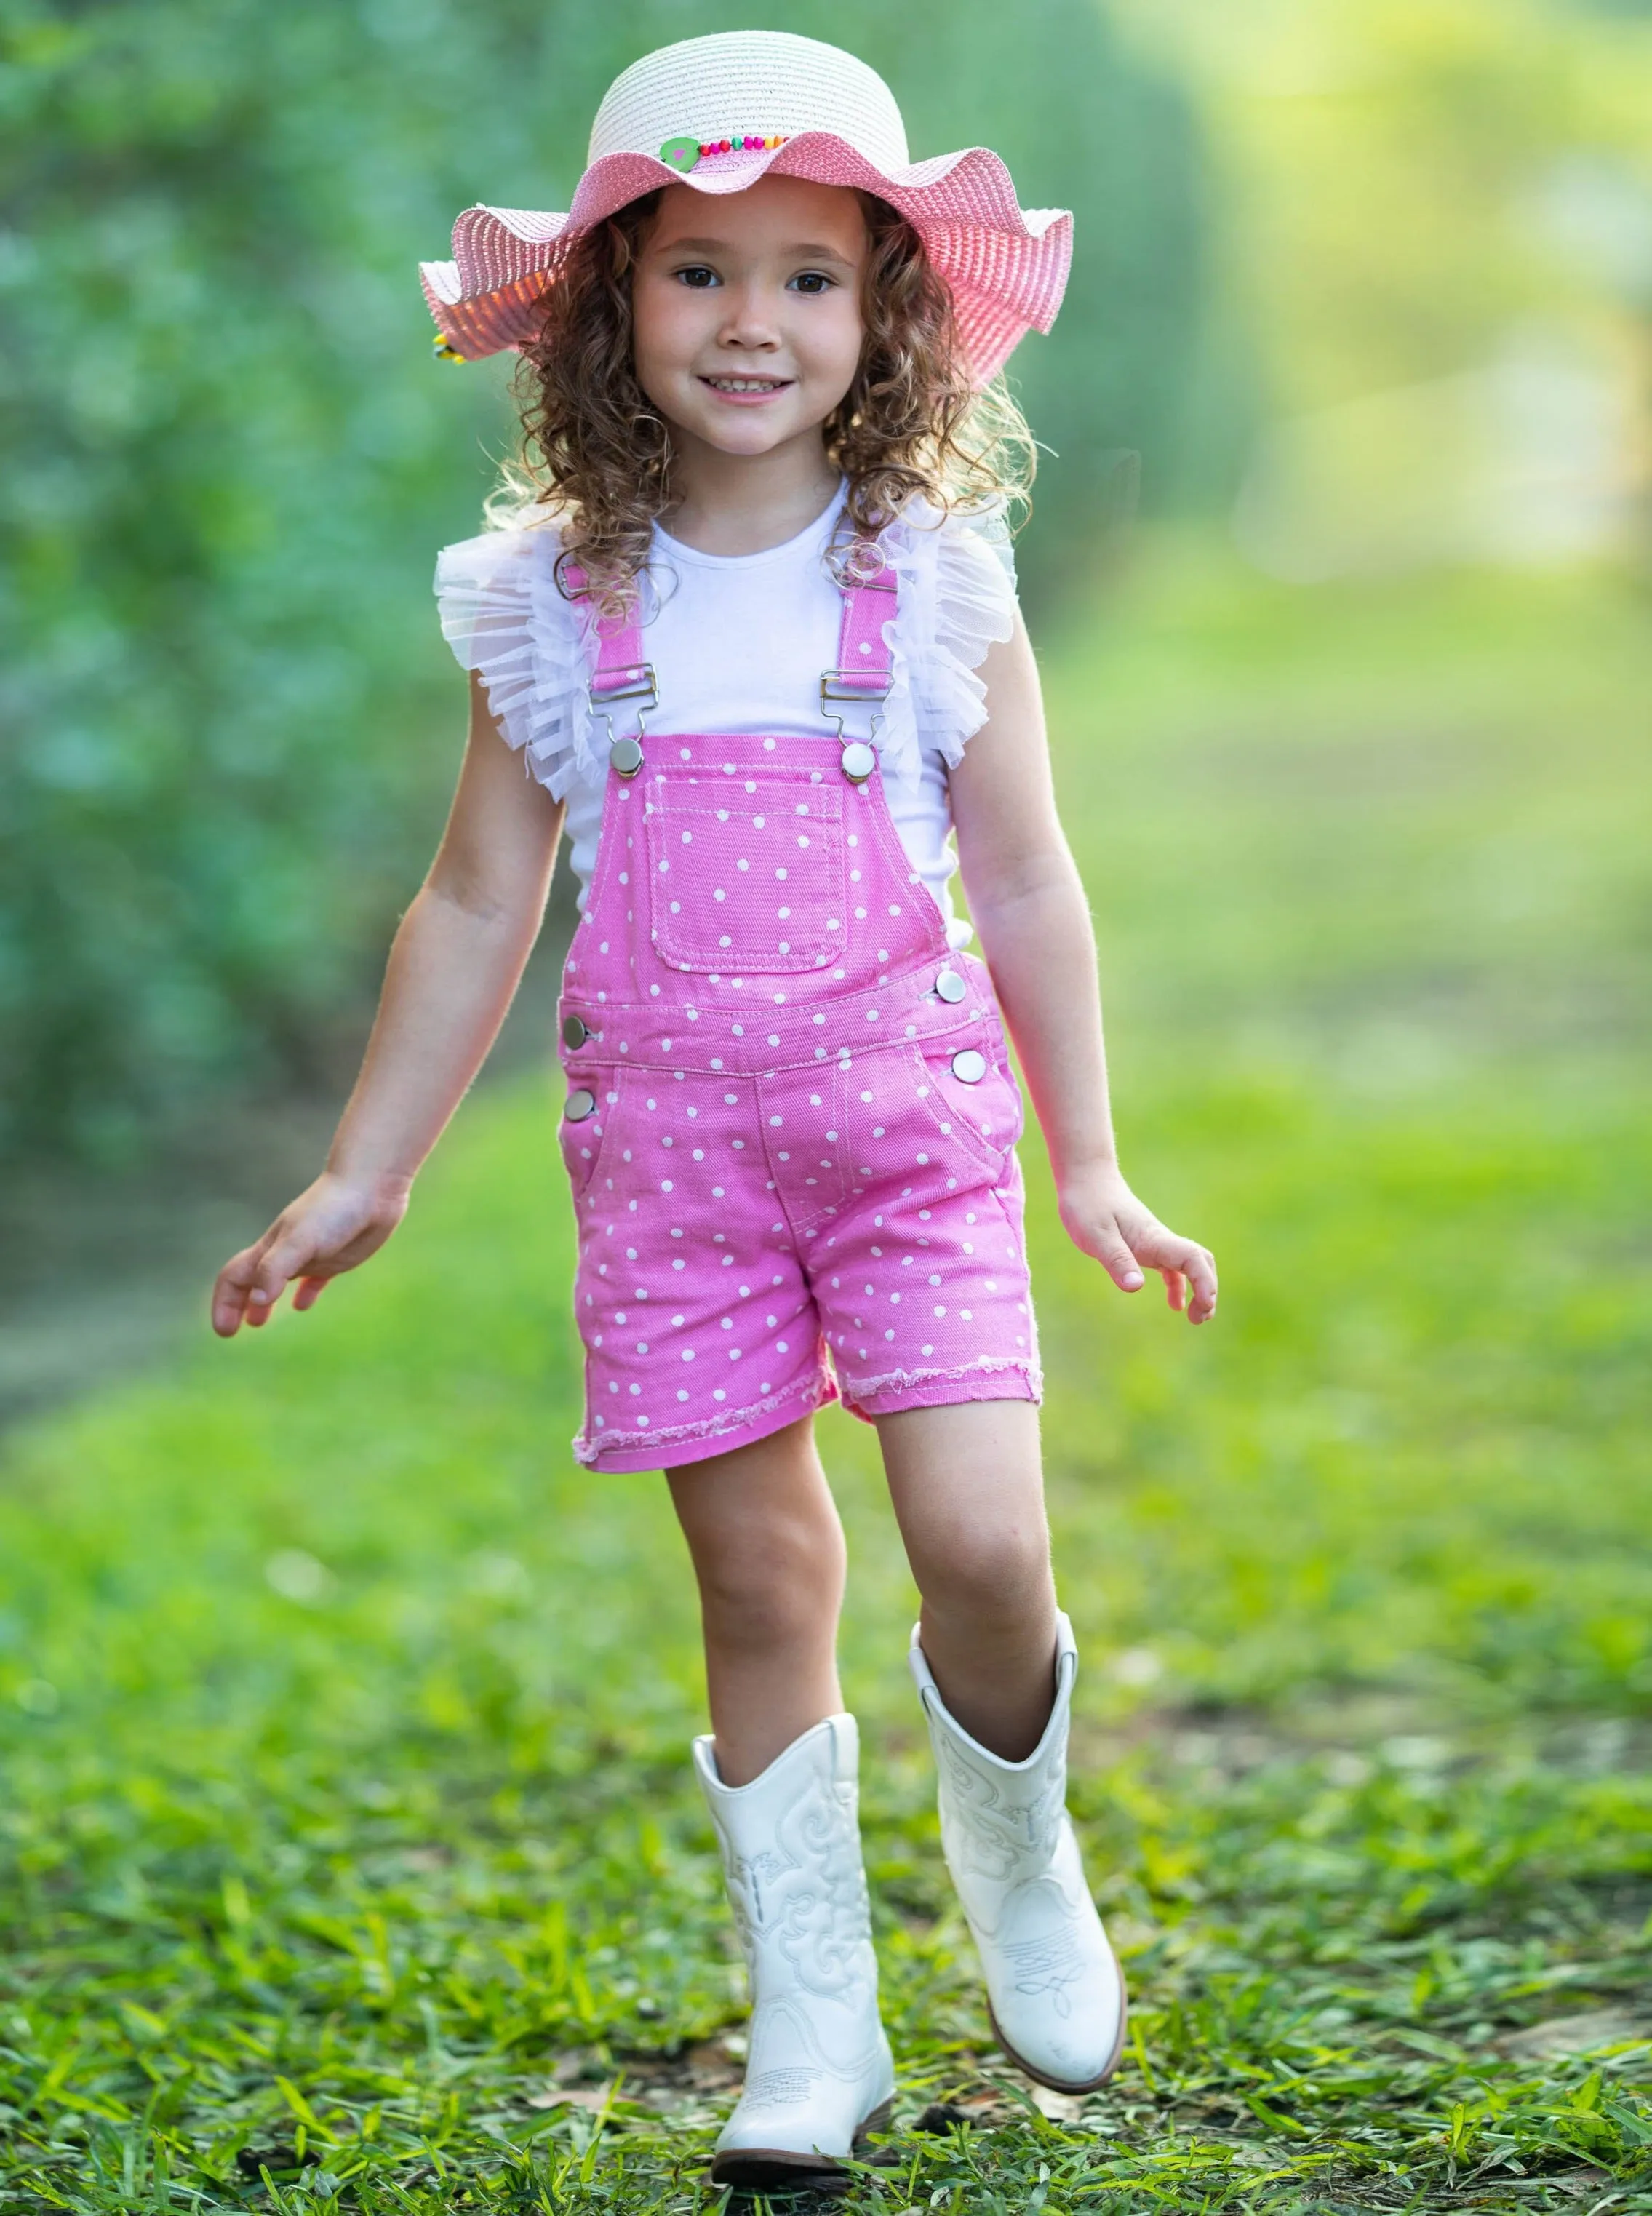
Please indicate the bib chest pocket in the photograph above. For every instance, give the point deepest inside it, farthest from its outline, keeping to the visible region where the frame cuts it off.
(745, 878)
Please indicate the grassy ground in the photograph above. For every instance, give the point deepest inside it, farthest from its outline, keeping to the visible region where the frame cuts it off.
(349, 1855)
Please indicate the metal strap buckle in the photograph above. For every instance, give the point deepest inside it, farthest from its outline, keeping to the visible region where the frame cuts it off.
(634, 684)
(607, 689)
(855, 685)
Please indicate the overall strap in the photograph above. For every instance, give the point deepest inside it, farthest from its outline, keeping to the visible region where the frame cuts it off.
(620, 675)
(865, 664)
(864, 670)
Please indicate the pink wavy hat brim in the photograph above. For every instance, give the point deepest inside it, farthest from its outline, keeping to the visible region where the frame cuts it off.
(1005, 266)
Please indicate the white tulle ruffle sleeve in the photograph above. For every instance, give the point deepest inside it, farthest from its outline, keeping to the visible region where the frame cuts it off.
(957, 597)
(504, 617)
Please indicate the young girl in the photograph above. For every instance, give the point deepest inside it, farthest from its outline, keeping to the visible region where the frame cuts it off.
(756, 644)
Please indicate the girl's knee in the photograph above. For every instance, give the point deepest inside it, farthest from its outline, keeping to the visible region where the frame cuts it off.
(782, 1583)
(990, 1575)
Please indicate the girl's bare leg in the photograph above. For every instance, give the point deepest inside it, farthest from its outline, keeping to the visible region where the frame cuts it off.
(967, 1486)
(768, 1552)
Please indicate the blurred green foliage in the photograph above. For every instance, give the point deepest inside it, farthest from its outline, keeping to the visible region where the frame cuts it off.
(229, 460)
(345, 1723)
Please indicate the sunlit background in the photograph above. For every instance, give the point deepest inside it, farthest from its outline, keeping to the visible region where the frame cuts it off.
(345, 1835)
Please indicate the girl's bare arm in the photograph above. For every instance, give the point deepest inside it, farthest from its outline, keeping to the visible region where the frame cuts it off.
(453, 967)
(1034, 923)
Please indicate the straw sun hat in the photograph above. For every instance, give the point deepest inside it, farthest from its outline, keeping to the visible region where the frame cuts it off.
(716, 114)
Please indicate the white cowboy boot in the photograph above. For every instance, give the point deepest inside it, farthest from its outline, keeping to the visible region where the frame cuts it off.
(1055, 1993)
(818, 2071)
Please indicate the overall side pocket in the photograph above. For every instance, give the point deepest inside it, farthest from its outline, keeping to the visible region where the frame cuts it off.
(584, 1131)
(983, 1112)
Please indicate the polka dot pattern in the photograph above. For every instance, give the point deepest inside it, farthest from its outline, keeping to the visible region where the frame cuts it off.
(794, 1185)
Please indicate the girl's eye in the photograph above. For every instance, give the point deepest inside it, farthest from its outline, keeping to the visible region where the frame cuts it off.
(812, 282)
(697, 275)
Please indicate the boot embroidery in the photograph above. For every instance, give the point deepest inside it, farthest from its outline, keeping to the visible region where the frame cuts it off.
(991, 1835)
(751, 1874)
(1048, 1965)
(805, 1900)
(780, 2089)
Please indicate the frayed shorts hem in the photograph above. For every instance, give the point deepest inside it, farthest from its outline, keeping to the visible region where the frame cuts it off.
(675, 1445)
(991, 1378)
(672, 1445)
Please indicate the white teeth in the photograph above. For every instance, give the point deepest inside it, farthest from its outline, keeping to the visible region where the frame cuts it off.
(745, 384)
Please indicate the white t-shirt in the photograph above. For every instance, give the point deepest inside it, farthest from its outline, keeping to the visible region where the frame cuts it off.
(738, 643)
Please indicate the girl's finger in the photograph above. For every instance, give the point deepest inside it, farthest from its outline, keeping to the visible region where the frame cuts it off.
(1201, 1267)
(1175, 1289)
(230, 1294)
(277, 1268)
(1109, 1249)
(309, 1290)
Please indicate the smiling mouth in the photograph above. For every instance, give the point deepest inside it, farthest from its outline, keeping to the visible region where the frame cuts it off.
(747, 384)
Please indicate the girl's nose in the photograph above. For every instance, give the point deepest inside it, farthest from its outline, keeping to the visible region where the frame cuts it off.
(748, 321)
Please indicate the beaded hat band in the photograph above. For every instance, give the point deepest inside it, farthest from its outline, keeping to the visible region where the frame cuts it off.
(826, 117)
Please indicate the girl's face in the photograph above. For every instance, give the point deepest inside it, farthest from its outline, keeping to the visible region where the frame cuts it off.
(746, 310)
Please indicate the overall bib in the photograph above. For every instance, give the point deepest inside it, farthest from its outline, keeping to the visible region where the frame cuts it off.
(791, 1119)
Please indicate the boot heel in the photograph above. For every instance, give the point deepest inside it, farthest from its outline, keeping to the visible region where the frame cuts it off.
(879, 2120)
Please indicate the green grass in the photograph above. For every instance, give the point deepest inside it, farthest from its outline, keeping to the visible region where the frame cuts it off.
(350, 1856)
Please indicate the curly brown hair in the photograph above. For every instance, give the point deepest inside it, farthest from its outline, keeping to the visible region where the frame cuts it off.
(599, 457)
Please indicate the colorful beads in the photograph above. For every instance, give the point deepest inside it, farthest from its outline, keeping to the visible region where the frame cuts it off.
(443, 351)
(683, 153)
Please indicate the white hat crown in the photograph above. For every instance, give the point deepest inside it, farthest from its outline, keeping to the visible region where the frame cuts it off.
(763, 81)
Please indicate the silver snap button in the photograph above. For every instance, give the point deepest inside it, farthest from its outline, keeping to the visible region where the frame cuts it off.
(576, 1031)
(950, 986)
(625, 756)
(581, 1104)
(968, 1065)
(858, 760)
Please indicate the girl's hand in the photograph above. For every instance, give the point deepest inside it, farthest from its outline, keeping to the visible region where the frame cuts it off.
(1104, 1218)
(329, 1229)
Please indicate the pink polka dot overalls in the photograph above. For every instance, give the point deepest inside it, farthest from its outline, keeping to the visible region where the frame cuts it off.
(791, 1120)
